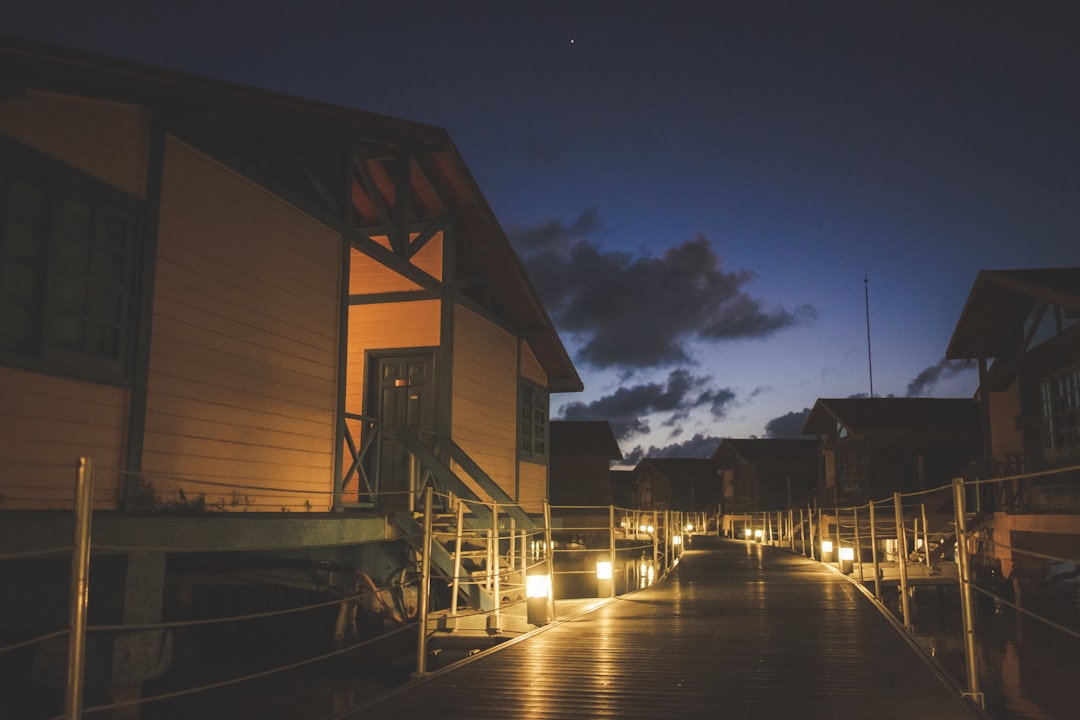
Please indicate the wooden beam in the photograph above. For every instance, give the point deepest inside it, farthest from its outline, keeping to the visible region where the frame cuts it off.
(388, 297)
(399, 265)
(364, 169)
(425, 236)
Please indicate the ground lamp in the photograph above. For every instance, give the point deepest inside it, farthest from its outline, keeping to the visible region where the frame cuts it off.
(603, 578)
(826, 551)
(537, 590)
(847, 559)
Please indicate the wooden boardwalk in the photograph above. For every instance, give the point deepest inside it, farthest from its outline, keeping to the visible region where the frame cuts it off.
(735, 631)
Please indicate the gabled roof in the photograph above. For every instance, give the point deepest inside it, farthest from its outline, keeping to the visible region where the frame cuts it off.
(679, 468)
(438, 179)
(865, 415)
(574, 438)
(992, 321)
(758, 450)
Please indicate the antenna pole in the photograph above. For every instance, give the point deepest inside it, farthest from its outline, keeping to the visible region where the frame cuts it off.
(869, 356)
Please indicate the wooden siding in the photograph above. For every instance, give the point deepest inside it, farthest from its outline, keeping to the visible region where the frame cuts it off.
(47, 424)
(530, 367)
(107, 140)
(385, 326)
(1005, 432)
(484, 423)
(243, 372)
(534, 486)
(368, 276)
(532, 477)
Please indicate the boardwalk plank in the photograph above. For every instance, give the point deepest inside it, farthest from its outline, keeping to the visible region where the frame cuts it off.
(735, 631)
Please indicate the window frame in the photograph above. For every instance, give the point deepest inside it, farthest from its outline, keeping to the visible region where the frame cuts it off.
(1059, 413)
(62, 184)
(533, 439)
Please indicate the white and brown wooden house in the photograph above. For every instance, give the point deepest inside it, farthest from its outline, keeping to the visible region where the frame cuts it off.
(870, 448)
(206, 287)
(1023, 328)
(235, 300)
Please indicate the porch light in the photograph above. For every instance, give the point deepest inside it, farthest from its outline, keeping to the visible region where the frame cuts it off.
(689, 527)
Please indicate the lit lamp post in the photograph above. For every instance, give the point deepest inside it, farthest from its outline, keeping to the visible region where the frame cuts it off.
(847, 559)
(537, 592)
(603, 579)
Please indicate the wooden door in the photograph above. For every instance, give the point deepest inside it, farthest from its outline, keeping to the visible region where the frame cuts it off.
(402, 387)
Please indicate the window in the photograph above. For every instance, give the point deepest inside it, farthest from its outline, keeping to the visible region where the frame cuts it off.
(1061, 412)
(67, 247)
(533, 422)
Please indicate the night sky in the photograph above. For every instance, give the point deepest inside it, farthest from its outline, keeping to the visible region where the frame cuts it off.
(699, 188)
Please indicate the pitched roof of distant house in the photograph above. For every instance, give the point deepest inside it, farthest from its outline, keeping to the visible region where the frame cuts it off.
(439, 176)
(1000, 301)
(584, 437)
(756, 450)
(679, 468)
(892, 414)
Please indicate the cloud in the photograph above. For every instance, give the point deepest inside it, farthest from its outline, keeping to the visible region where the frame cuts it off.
(699, 446)
(626, 408)
(636, 311)
(788, 425)
(925, 381)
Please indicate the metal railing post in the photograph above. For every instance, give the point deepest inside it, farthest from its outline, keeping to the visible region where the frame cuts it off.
(425, 580)
(496, 566)
(611, 528)
(456, 580)
(791, 529)
(873, 552)
(965, 592)
(901, 557)
(549, 554)
(80, 587)
(839, 562)
(802, 530)
(858, 541)
(655, 534)
(925, 536)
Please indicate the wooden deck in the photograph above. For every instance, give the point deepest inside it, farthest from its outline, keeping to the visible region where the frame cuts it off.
(736, 630)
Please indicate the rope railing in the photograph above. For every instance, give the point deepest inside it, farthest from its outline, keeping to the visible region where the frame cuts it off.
(88, 497)
(921, 528)
(243, 678)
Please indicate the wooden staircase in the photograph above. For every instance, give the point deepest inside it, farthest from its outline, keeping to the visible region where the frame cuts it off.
(466, 552)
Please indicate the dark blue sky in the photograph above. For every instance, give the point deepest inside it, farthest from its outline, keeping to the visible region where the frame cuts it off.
(699, 187)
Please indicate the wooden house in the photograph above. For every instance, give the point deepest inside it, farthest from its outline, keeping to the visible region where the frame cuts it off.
(582, 452)
(760, 474)
(682, 484)
(870, 448)
(238, 301)
(1023, 328)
